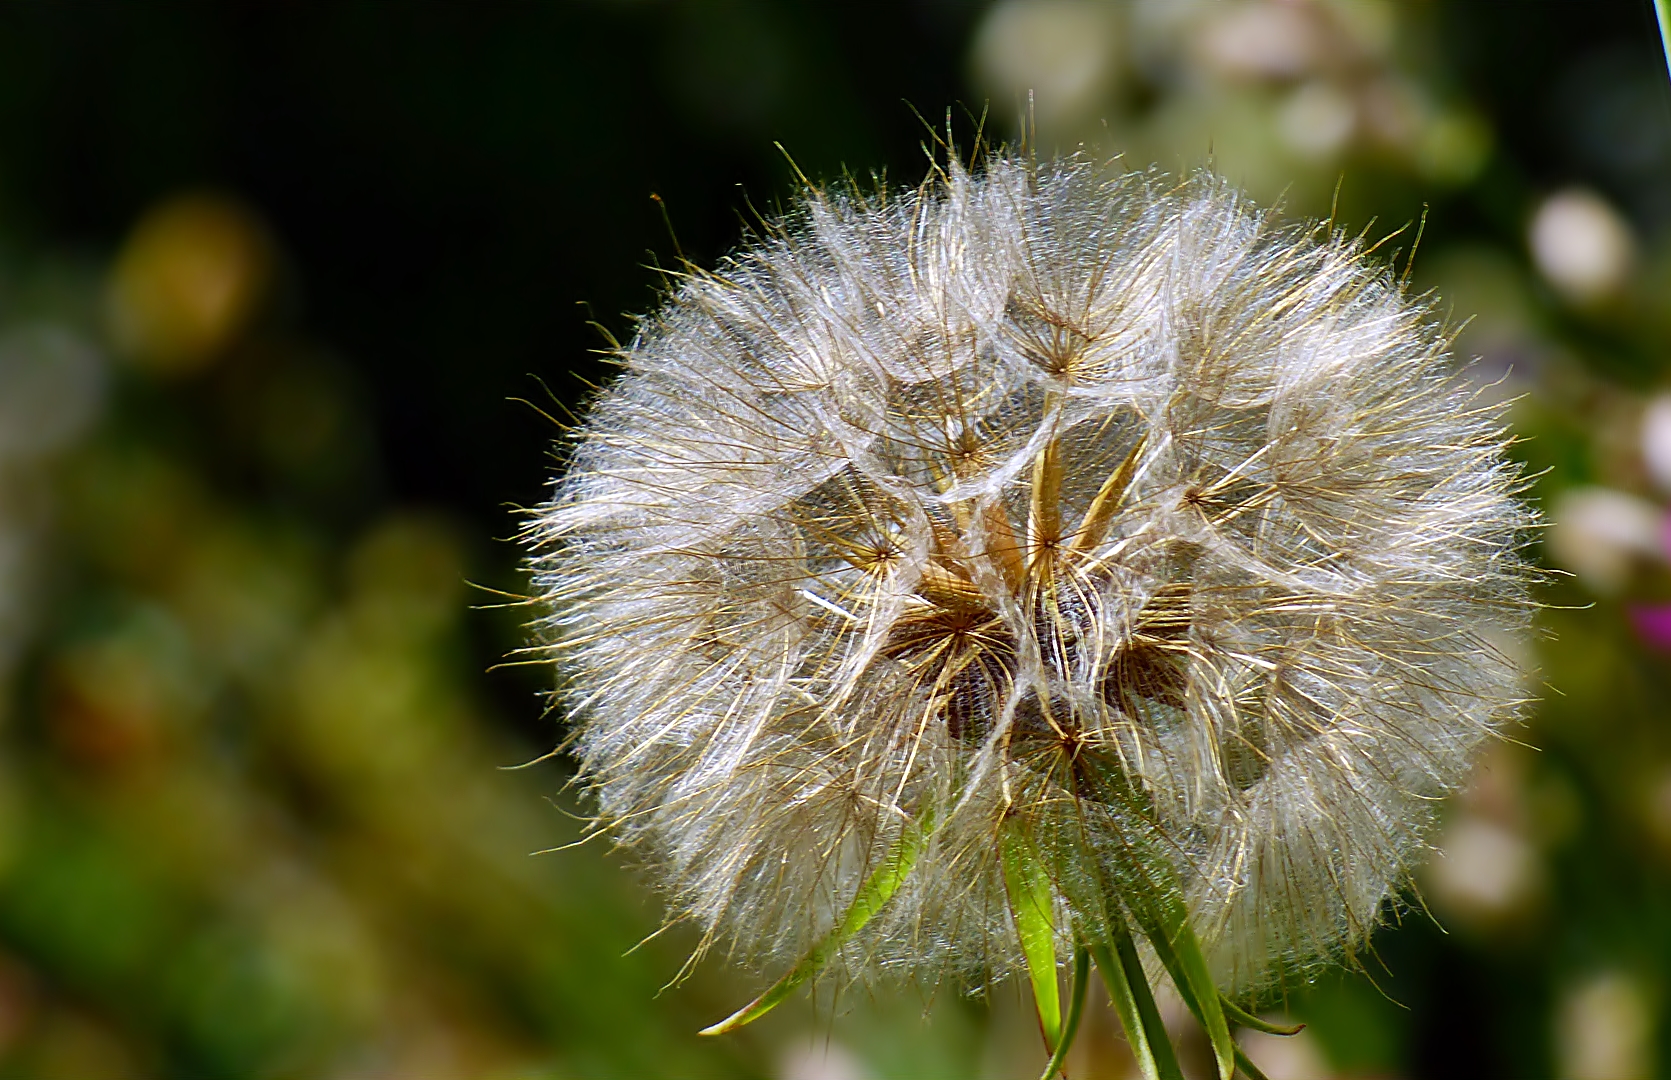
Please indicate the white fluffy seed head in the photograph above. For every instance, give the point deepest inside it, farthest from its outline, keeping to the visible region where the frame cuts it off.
(921, 503)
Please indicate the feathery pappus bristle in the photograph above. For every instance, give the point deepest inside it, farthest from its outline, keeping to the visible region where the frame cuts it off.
(1099, 515)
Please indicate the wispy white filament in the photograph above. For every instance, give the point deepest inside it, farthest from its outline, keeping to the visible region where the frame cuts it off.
(921, 494)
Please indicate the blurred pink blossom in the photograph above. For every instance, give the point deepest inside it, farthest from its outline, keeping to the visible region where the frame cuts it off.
(1653, 624)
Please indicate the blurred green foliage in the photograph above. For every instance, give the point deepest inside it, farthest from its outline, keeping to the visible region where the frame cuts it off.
(269, 276)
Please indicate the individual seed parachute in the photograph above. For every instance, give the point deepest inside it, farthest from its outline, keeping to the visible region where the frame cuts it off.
(1033, 568)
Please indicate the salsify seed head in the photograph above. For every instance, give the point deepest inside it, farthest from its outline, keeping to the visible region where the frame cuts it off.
(1102, 508)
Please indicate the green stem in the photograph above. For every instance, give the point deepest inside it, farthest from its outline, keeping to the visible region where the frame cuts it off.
(1076, 1009)
(1134, 1003)
(1144, 879)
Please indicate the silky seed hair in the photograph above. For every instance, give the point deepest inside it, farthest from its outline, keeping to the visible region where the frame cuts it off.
(921, 501)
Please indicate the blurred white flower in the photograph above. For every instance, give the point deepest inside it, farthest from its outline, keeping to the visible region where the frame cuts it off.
(1656, 441)
(1261, 40)
(1285, 1057)
(821, 1058)
(1270, 92)
(1581, 245)
(1062, 52)
(1604, 1030)
(1598, 532)
(1317, 119)
(1484, 872)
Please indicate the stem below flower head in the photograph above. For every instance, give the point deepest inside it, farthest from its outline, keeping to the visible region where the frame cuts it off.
(1076, 1009)
(1142, 879)
(1142, 892)
(1103, 935)
(1128, 990)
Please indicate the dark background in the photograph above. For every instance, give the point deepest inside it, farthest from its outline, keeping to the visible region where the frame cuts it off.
(456, 185)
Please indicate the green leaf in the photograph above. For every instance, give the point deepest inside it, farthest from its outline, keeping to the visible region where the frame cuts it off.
(1128, 989)
(1076, 1009)
(872, 896)
(1032, 904)
(1237, 1015)
(1662, 11)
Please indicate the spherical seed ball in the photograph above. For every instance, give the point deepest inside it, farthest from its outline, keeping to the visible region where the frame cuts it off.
(1034, 496)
